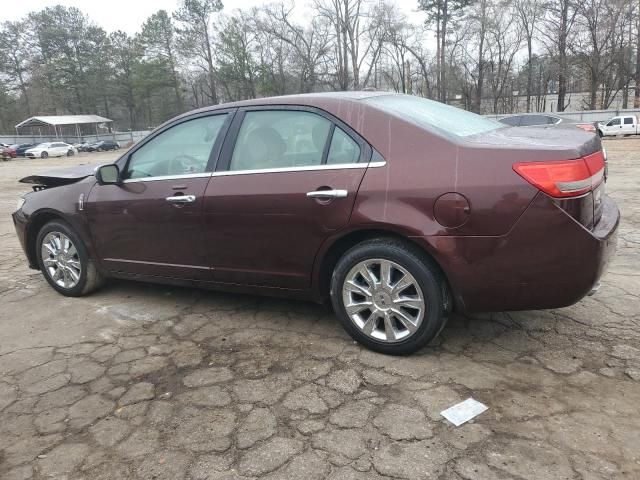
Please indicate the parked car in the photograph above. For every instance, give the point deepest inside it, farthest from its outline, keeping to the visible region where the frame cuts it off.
(51, 149)
(7, 153)
(102, 146)
(21, 148)
(537, 119)
(81, 147)
(622, 125)
(395, 209)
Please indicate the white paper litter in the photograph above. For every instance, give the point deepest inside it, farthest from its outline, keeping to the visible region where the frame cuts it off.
(464, 411)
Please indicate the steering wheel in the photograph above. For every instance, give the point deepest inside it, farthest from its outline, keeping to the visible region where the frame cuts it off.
(185, 164)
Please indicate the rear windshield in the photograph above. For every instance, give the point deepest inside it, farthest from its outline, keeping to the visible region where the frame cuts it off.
(431, 114)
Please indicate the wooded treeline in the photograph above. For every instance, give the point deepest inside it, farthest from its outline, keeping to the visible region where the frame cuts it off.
(474, 53)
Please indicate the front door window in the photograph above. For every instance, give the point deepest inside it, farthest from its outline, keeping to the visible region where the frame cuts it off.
(181, 150)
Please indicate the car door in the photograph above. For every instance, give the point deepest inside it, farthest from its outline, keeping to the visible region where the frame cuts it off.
(613, 126)
(287, 179)
(628, 126)
(57, 149)
(151, 223)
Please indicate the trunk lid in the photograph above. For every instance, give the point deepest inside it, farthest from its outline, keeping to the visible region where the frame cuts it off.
(565, 141)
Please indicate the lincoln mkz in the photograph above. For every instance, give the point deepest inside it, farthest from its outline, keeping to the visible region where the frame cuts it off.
(394, 209)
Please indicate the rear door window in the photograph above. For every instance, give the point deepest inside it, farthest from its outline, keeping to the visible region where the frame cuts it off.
(343, 148)
(628, 120)
(280, 139)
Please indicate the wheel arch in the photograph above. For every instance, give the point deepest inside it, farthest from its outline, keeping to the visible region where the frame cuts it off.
(338, 246)
(36, 222)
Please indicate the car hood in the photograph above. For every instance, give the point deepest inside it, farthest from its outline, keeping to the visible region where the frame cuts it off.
(63, 176)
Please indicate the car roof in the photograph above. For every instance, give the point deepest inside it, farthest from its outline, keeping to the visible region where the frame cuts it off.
(311, 99)
(323, 100)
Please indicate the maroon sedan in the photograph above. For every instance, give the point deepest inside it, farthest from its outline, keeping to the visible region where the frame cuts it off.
(396, 208)
(7, 153)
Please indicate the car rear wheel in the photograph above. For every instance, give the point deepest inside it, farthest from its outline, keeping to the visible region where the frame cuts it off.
(70, 153)
(64, 261)
(389, 296)
(44, 155)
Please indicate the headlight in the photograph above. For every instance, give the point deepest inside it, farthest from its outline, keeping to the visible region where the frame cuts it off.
(20, 203)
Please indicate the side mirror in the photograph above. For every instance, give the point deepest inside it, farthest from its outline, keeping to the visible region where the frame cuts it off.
(108, 175)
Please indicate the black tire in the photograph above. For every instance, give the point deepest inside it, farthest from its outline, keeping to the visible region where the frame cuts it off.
(70, 153)
(89, 280)
(44, 155)
(420, 266)
(600, 133)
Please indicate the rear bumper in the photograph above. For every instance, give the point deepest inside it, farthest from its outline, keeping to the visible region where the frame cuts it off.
(547, 260)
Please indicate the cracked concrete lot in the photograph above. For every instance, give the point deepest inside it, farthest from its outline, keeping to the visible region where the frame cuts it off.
(155, 382)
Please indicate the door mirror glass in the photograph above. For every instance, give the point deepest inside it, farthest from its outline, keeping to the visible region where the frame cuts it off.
(108, 175)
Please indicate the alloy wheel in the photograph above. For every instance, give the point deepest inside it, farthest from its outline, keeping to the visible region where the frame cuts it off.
(61, 260)
(383, 300)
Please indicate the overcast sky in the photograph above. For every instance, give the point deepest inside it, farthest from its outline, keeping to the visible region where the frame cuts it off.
(128, 15)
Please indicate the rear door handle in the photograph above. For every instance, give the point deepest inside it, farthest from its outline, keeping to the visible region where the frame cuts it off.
(181, 199)
(327, 194)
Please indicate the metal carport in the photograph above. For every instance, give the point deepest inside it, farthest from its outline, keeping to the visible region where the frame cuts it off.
(59, 122)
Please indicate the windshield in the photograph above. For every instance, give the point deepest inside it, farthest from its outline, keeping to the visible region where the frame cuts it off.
(431, 114)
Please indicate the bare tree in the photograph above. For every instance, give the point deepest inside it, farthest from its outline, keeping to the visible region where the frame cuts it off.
(195, 36)
(529, 13)
(504, 40)
(310, 44)
(556, 31)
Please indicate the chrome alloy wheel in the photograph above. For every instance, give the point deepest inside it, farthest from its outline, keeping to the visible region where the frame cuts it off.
(383, 300)
(61, 260)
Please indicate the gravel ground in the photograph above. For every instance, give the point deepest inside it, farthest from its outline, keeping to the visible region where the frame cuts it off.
(144, 381)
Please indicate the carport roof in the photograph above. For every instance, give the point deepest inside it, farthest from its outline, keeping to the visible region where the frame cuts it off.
(61, 120)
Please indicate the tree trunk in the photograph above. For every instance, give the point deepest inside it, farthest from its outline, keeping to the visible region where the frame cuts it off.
(529, 72)
(562, 56)
(438, 57)
(636, 96)
(478, 99)
(443, 35)
(593, 90)
(211, 71)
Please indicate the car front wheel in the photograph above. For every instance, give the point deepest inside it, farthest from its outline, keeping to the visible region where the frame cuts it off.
(44, 155)
(389, 296)
(70, 153)
(64, 261)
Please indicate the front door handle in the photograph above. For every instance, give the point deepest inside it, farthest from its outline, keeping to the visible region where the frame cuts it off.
(327, 194)
(181, 199)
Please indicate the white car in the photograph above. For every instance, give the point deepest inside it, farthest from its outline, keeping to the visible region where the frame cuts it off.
(52, 149)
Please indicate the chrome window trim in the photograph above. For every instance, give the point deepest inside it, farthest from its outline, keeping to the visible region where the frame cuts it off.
(308, 168)
(226, 173)
(167, 177)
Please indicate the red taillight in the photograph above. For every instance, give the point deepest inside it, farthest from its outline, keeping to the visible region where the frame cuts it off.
(587, 127)
(565, 178)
